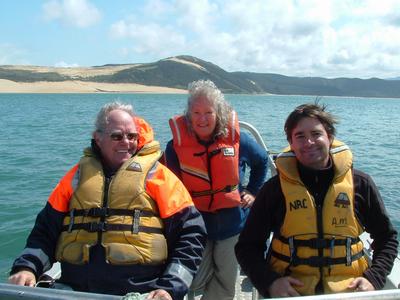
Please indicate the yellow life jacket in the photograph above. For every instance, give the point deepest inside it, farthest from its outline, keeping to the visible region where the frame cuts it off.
(123, 218)
(211, 174)
(334, 256)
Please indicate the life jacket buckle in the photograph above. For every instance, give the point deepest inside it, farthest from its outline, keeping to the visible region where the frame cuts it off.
(348, 251)
(292, 250)
(71, 220)
(318, 261)
(318, 243)
(97, 227)
(97, 212)
(332, 246)
(331, 251)
(136, 221)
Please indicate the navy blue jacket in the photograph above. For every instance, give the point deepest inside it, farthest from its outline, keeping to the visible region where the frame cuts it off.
(185, 235)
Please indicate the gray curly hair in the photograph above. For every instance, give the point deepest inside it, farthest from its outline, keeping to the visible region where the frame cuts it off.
(208, 89)
(102, 116)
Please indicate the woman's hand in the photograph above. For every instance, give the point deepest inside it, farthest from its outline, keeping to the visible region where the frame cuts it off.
(247, 199)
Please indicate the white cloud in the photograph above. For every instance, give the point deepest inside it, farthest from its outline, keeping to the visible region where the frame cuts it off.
(63, 64)
(157, 8)
(336, 38)
(198, 16)
(150, 38)
(77, 13)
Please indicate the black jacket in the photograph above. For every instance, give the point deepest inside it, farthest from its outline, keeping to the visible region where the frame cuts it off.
(267, 216)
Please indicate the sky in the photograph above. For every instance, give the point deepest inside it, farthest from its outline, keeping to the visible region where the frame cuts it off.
(318, 38)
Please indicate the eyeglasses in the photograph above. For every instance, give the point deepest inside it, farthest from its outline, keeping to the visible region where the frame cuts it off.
(119, 136)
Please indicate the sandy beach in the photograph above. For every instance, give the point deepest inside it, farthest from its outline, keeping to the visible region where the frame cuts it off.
(79, 86)
(72, 86)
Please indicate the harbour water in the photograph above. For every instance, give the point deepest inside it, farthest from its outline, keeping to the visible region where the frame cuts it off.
(42, 136)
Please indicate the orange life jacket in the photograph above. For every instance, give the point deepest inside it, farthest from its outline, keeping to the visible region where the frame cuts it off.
(170, 196)
(211, 174)
(140, 195)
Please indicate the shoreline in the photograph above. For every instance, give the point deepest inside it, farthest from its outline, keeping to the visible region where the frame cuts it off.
(72, 86)
(92, 87)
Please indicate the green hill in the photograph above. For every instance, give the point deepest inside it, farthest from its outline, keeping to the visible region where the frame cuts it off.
(178, 71)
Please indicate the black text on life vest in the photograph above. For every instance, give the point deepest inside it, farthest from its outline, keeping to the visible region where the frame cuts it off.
(298, 204)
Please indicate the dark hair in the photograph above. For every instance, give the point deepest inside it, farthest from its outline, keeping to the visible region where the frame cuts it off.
(310, 110)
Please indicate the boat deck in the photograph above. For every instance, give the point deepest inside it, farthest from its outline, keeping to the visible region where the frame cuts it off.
(244, 289)
(13, 292)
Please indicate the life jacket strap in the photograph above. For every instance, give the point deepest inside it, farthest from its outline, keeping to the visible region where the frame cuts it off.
(227, 189)
(317, 243)
(104, 226)
(106, 212)
(318, 261)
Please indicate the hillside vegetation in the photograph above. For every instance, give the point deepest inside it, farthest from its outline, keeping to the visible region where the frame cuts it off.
(177, 72)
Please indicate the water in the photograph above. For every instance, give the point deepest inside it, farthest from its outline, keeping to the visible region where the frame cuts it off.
(42, 136)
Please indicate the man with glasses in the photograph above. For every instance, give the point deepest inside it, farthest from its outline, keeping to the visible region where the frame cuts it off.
(118, 221)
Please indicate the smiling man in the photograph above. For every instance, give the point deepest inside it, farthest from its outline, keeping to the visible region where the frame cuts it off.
(118, 221)
(118, 141)
(316, 208)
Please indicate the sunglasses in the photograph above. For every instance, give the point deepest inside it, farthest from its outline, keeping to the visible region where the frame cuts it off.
(119, 136)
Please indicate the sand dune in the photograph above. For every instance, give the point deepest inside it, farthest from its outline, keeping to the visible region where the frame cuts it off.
(8, 86)
(73, 71)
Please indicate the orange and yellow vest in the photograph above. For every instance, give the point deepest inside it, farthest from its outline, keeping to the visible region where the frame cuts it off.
(211, 174)
(334, 256)
(128, 227)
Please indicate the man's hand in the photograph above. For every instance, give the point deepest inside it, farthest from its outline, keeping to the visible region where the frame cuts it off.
(24, 277)
(361, 284)
(247, 199)
(283, 287)
(159, 295)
